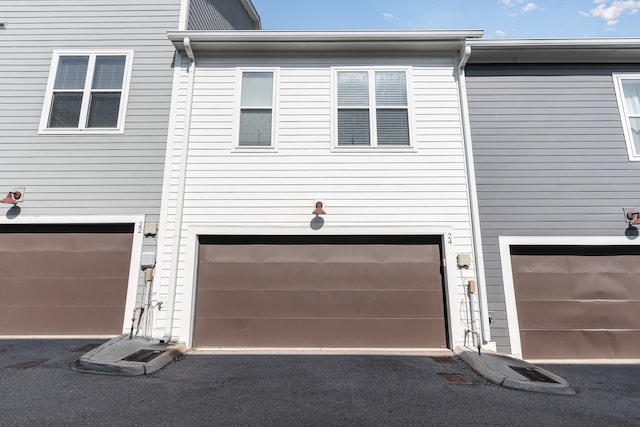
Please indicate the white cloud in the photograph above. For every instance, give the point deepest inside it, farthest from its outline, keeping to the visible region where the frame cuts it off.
(529, 7)
(500, 33)
(511, 3)
(611, 11)
(388, 16)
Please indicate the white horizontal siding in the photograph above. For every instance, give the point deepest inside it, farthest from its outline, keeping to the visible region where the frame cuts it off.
(233, 188)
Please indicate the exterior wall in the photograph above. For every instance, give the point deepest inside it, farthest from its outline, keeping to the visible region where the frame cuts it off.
(75, 173)
(219, 15)
(550, 159)
(273, 191)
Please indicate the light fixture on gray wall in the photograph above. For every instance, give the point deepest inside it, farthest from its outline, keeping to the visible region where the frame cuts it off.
(632, 217)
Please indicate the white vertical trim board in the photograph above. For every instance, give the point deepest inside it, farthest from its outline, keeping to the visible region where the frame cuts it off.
(505, 243)
(136, 246)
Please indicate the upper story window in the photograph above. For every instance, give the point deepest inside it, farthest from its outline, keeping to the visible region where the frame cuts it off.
(256, 109)
(372, 108)
(87, 92)
(628, 92)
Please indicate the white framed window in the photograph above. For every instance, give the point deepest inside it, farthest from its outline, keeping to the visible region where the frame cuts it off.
(628, 94)
(371, 108)
(256, 115)
(87, 91)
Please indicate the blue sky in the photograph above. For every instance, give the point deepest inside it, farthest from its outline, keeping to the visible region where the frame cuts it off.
(498, 18)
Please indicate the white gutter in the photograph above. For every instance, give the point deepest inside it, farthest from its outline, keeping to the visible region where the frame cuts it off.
(182, 180)
(473, 196)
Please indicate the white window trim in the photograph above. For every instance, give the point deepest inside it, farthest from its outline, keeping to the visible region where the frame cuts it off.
(122, 113)
(374, 147)
(624, 116)
(237, 148)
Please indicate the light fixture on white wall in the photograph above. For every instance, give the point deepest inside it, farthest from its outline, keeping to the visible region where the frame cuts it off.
(319, 210)
(13, 197)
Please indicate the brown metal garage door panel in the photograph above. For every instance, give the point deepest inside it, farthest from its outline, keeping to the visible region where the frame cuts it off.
(341, 304)
(325, 275)
(320, 295)
(580, 344)
(66, 282)
(578, 302)
(328, 333)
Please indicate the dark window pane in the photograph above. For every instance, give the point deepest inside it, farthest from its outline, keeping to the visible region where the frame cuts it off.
(353, 127)
(65, 110)
(108, 72)
(72, 72)
(103, 110)
(393, 127)
(255, 128)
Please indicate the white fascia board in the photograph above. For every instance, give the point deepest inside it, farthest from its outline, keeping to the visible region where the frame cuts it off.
(305, 41)
(574, 50)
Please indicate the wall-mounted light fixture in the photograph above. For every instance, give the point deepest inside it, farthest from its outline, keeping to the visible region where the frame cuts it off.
(319, 210)
(13, 197)
(632, 217)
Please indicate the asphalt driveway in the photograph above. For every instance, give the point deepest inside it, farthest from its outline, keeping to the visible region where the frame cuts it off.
(298, 390)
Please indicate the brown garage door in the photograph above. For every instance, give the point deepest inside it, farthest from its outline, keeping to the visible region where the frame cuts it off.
(63, 280)
(329, 292)
(578, 302)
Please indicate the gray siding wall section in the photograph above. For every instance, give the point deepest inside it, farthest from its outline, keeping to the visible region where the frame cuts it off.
(550, 159)
(76, 174)
(219, 15)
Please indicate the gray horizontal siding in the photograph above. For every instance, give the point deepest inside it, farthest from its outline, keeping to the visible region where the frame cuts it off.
(76, 174)
(219, 15)
(550, 159)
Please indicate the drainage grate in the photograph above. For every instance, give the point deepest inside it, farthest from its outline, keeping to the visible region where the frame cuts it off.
(533, 374)
(29, 364)
(143, 355)
(87, 347)
(455, 378)
(443, 359)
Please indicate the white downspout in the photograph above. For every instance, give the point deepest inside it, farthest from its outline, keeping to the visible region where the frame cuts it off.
(182, 179)
(473, 197)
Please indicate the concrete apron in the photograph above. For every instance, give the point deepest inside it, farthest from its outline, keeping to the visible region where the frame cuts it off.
(510, 372)
(128, 357)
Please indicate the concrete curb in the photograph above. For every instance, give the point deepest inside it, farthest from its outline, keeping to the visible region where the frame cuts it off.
(497, 368)
(107, 359)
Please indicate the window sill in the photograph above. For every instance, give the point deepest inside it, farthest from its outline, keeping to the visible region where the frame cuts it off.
(255, 149)
(74, 131)
(370, 149)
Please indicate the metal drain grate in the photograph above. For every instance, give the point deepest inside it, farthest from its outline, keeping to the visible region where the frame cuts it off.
(455, 378)
(533, 374)
(87, 347)
(29, 364)
(143, 355)
(443, 359)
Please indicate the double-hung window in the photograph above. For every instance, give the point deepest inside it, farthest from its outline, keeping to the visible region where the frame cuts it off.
(628, 92)
(256, 109)
(372, 108)
(86, 91)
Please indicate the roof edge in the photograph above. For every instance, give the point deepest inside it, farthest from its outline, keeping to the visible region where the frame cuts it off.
(253, 13)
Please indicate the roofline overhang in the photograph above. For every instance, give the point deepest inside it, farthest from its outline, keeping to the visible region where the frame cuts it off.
(292, 41)
(569, 50)
(253, 13)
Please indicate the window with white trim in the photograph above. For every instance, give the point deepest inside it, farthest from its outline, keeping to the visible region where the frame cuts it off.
(256, 109)
(372, 108)
(87, 91)
(628, 92)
